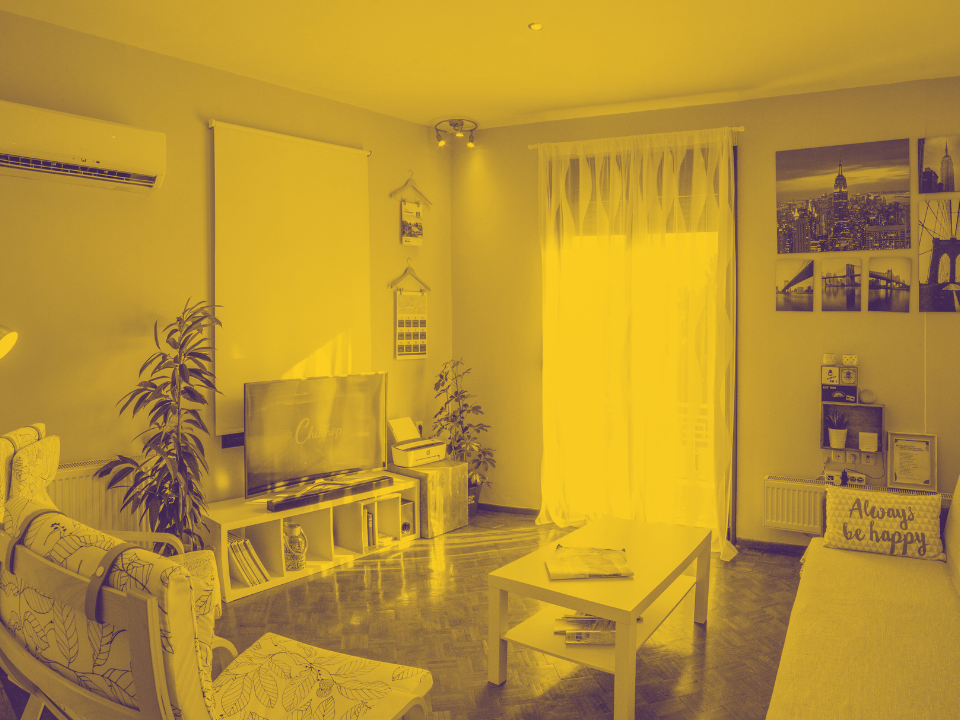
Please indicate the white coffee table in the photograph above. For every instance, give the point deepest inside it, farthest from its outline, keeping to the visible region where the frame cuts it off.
(657, 554)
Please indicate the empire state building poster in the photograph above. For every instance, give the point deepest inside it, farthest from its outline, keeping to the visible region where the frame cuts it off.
(844, 197)
(935, 163)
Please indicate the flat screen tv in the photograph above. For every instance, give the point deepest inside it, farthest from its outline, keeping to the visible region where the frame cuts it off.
(297, 430)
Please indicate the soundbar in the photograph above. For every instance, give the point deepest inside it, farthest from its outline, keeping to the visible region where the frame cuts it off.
(313, 498)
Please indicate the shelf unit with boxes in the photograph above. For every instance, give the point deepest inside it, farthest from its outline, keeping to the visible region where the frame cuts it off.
(337, 531)
(861, 418)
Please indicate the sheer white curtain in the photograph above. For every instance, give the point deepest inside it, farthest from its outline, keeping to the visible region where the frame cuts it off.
(637, 240)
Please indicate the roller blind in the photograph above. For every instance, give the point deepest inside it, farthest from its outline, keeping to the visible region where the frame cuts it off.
(291, 262)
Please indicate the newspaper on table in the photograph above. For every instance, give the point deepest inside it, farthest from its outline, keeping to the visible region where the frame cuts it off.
(571, 563)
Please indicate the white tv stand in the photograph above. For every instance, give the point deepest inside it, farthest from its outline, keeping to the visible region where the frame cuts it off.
(335, 531)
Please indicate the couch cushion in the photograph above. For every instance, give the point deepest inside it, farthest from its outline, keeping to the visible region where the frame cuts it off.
(9, 445)
(886, 523)
(871, 637)
(96, 655)
(34, 467)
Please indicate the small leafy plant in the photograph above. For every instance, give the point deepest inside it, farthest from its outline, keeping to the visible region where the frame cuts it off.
(836, 419)
(453, 421)
(165, 485)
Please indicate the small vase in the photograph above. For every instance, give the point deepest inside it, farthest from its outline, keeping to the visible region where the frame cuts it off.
(838, 438)
(294, 546)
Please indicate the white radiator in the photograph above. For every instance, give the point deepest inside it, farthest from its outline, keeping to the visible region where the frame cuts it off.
(85, 498)
(793, 504)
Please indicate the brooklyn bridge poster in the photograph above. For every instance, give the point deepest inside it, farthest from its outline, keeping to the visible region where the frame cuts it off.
(840, 284)
(844, 197)
(939, 248)
(795, 285)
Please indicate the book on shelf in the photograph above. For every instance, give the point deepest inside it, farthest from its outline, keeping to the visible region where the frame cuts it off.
(238, 569)
(371, 531)
(574, 563)
(257, 563)
(244, 560)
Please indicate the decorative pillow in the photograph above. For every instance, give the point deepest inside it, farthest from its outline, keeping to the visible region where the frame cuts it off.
(884, 523)
(34, 467)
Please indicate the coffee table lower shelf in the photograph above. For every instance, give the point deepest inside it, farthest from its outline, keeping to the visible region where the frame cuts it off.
(537, 633)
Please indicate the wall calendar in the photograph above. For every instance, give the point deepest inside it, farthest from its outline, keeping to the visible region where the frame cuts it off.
(410, 331)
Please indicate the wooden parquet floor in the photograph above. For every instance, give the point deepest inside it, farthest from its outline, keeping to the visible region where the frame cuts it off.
(426, 605)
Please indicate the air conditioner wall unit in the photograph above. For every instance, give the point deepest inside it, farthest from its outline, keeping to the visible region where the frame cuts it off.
(39, 143)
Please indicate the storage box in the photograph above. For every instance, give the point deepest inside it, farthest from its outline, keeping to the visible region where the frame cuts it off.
(443, 495)
(838, 393)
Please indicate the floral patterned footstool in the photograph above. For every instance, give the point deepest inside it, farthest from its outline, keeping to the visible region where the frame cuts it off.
(281, 678)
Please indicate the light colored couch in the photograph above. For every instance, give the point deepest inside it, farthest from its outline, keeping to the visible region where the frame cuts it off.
(873, 637)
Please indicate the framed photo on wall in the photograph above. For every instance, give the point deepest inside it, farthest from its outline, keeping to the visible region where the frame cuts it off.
(912, 461)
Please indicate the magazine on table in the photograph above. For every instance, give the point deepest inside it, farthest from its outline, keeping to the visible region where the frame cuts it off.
(581, 621)
(591, 637)
(573, 563)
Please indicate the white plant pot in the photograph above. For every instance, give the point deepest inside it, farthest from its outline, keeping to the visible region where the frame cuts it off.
(838, 438)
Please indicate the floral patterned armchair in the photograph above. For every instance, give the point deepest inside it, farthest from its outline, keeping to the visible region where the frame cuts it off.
(98, 629)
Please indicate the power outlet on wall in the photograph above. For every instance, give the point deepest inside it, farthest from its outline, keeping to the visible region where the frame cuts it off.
(868, 458)
(853, 458)
(837, 456)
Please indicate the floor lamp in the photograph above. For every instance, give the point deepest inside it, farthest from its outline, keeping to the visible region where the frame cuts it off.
(8, 338)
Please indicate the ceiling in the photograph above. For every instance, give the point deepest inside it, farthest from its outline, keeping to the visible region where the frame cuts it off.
(423, 60)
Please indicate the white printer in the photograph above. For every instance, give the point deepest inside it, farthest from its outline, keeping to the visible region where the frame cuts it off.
(410, 450)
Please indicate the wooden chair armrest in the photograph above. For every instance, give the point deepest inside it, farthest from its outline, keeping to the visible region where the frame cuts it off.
(144, 536)
(223, 651)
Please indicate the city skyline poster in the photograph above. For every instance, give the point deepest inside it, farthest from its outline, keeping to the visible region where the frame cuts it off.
(840, 284)
(938, 251)
(794, 285)
(888, 285)
(935, 163)
(844, 197)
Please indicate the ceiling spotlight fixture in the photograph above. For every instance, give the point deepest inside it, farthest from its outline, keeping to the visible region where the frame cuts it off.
(456, 126)
(535, 26)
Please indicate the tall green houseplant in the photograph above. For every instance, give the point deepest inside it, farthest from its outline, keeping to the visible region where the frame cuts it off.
(453, 421)
(165, 485)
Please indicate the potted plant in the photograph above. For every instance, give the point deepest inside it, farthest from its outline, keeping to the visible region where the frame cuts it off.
(453, 421)
(836, 422)
(165, 485)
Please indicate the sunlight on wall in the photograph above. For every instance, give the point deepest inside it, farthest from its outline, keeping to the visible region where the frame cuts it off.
(333, 358)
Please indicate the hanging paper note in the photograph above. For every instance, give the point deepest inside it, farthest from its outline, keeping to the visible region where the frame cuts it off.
(411, 326)
(411, 223)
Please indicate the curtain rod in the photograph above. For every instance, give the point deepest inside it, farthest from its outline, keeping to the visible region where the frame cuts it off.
(735, 129)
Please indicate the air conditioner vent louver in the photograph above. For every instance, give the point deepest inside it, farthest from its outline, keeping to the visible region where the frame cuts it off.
(80, 171)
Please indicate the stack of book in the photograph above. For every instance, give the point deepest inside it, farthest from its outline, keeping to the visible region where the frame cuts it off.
(583, 629)
(245, 565)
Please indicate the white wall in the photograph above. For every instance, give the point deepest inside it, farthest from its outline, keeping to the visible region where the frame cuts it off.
(85, 272)
(909, 360)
